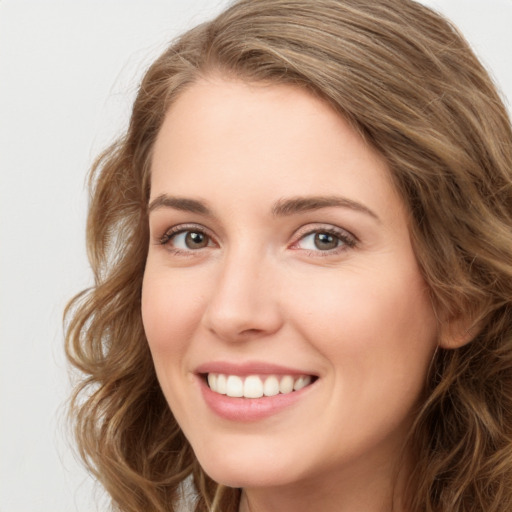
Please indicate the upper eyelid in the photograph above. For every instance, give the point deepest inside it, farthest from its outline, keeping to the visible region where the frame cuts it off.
(320, 227)
(181, 228)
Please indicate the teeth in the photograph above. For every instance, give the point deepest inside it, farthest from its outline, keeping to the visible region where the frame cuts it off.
(212, 380)
(286, 384)
(255, 386)
(301, 382)
(271, 386)
(221, 384)
(234, 386)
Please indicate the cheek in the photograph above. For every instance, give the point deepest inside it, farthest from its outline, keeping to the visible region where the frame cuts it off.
(379, 337)
(370, 323)
(170, 313)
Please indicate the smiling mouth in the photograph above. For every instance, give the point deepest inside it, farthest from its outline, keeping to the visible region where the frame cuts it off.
(256, 386)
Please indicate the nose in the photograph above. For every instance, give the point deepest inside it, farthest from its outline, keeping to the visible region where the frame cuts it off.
(243, 303)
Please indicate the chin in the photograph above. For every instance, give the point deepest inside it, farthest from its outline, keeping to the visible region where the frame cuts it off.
(250, 478)
(242, 470)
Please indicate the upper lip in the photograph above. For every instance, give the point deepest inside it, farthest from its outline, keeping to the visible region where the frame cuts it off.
(249, 368)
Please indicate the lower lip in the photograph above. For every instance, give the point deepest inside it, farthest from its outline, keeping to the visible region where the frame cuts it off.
(249, 409)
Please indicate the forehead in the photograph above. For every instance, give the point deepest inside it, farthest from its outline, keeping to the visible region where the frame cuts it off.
(275, 140)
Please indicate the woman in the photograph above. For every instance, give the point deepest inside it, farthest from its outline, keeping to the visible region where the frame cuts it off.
(303, 275)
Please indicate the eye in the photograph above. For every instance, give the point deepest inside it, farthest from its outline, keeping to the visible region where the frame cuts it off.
(320, 241)
(182, 239)
(325, 240)
(190, 240)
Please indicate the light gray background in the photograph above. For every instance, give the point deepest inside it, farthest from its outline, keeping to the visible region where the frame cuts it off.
(68, 74)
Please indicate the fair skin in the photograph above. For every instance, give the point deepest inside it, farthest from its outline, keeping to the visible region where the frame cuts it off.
(279, 250)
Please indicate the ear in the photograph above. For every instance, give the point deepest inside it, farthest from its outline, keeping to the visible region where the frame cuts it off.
(457, 332)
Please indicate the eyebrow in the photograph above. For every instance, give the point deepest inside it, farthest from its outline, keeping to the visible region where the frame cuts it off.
(282, 207)
(179, 203)
(294, 205)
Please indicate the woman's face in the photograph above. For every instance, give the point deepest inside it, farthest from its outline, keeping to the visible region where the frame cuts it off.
(280, 256)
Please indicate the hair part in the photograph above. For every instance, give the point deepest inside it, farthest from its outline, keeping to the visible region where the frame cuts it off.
(407, 81)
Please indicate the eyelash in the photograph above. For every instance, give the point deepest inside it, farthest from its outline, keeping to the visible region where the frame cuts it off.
(171, 233)
(346, 239)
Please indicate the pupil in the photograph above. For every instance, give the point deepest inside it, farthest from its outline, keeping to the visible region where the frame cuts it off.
(195, 240)
(325, 241)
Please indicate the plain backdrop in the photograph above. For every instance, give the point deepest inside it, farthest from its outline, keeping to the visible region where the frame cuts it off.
(68, 74)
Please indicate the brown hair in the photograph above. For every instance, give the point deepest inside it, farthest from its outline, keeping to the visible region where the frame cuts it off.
(409, 83)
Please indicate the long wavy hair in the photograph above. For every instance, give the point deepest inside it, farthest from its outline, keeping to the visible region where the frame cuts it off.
(406, 79)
